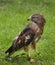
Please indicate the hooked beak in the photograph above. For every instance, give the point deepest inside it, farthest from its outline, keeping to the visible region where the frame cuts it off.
(29, 18)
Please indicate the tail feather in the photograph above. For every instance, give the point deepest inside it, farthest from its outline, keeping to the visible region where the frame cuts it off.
(9, 51)
(13, 48)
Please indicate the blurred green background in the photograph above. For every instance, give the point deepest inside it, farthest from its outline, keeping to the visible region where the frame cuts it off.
(13, 19)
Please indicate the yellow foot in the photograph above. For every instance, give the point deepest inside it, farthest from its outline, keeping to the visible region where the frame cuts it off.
(38, 53)
(32, 60)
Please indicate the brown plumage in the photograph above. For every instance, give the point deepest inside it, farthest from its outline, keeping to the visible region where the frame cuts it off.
(29, 36)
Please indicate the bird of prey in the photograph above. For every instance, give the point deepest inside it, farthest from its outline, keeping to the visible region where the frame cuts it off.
(29, 36)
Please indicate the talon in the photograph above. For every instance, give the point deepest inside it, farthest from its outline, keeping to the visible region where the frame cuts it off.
(32, 60)
(38, 53)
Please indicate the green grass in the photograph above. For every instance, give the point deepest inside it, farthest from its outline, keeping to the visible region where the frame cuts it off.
(13, 19)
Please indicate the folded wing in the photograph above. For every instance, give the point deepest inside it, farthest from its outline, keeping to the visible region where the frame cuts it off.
(24, 39)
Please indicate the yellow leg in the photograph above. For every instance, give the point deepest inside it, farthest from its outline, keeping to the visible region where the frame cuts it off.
(33, 45)
(26, 49)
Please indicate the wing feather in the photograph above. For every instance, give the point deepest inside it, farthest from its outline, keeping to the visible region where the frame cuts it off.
(26, 36)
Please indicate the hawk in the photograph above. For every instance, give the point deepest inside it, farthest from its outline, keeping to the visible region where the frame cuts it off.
(29, 36)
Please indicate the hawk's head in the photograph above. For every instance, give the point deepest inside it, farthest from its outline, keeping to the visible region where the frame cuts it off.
(38, 19)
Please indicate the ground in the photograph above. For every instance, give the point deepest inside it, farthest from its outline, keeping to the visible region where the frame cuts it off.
(13, 19)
